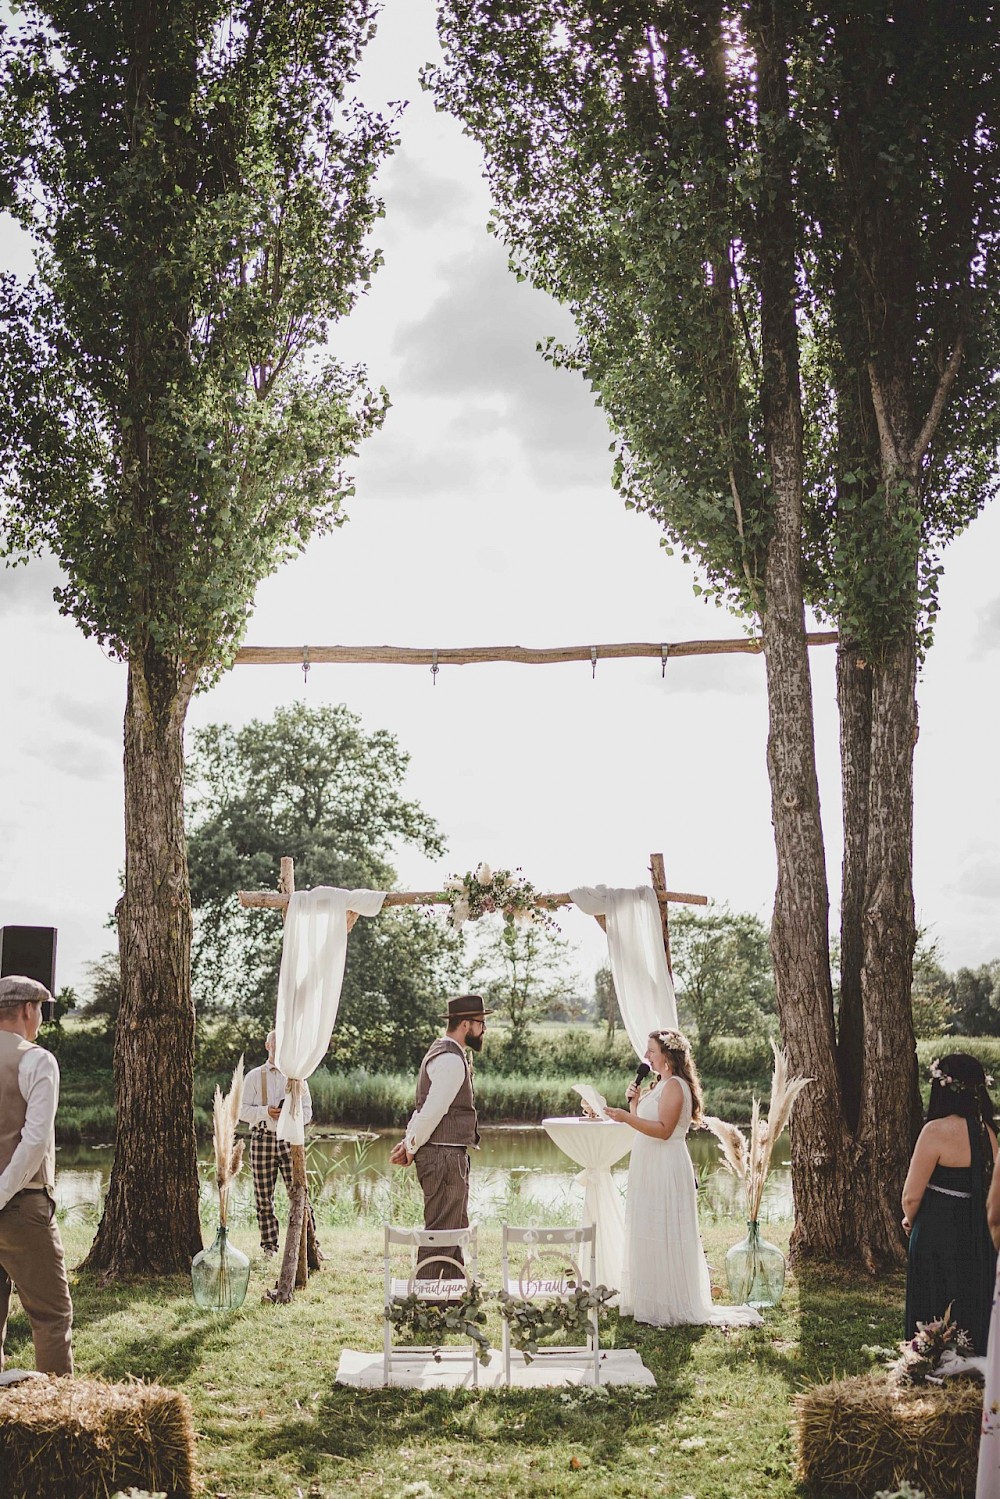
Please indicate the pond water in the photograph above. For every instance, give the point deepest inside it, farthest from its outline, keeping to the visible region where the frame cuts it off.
(515, 1168)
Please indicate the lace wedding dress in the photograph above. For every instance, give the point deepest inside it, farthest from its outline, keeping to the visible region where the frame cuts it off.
(665, 1281)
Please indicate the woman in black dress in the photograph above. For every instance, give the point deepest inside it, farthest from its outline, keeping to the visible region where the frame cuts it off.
(952, 1261)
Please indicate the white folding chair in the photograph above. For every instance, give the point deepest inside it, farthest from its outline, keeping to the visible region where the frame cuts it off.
(551, 1265)
(434, 1290)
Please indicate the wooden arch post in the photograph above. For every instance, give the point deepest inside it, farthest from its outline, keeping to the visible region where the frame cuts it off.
(301, 1252)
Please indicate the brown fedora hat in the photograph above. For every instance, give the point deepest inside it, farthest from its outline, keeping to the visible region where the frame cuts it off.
(466, 1007)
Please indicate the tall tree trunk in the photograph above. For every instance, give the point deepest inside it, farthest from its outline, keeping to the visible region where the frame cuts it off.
(799, 930)
(150, 1222)
(854, 701)
(890, 1106)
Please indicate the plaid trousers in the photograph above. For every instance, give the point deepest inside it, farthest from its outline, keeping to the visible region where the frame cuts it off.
(268, 1156)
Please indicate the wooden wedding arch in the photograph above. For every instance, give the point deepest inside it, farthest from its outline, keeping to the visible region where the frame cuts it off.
(300, 1254)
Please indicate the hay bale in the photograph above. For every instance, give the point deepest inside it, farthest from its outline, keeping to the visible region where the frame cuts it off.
(859, 1435)
(82, 1439)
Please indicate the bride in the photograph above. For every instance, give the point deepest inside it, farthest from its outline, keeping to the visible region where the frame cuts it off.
(665, 1281)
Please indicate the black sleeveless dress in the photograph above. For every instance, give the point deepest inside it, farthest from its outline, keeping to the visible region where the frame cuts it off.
(951, 1257)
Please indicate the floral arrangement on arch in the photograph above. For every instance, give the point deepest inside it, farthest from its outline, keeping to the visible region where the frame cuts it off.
(488, 892)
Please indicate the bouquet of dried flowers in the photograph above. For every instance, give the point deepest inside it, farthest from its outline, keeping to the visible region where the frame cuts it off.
(920, 1355)
(750, 1159)
(488, 892)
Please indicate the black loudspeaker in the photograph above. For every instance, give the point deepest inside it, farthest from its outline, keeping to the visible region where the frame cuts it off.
(30, 950)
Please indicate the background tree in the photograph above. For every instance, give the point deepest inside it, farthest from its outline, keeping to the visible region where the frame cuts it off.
(934, 1009)
(671, 172)
(977, 1000)
(606, 1010)
(312, 784)
(522, 970)
(199, 187)
(722, 972)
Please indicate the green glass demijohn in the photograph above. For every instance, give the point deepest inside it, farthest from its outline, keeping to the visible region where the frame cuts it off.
(220, 1275)
(755, 1270)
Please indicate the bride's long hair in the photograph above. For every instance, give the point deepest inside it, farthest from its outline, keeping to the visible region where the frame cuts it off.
(676, 1046)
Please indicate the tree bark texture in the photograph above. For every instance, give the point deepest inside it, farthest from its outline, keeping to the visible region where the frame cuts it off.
(799, 928)
(150, 1223)
(854, 701)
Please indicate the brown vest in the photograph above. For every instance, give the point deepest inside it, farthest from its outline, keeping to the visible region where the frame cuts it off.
(460, 1125)
(13, 1110)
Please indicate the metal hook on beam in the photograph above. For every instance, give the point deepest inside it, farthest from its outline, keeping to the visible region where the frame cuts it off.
(305, 666)
(434, 669)
(593, 662)
(664, 653)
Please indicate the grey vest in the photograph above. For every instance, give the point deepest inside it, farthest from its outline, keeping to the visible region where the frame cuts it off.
(13, 1111)
(460, 1125)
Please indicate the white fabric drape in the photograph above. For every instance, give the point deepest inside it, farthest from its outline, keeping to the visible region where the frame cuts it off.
(596, 1146)
(638, 961)
(312, 972)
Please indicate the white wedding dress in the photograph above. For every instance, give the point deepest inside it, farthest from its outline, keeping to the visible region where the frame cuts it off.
(665, 1281)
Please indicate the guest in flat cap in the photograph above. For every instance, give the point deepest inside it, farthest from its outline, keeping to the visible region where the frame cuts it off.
(31, 1252)
(443, 1128)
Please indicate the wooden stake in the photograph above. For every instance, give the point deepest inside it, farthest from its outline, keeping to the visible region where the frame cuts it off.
(659, 877)
(294, 1260)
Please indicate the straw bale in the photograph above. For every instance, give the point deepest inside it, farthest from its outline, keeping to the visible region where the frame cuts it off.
(859, 1435)
(83, 1439)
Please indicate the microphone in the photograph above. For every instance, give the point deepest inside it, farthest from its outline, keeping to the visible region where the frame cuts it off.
(642, 1073)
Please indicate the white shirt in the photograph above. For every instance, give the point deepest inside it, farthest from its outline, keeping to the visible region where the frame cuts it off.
(446, 1073)
(38, 1085)
(264, 1087)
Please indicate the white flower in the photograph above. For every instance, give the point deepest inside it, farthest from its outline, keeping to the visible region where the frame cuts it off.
(459, 913)
(484, 874)
(454, 883)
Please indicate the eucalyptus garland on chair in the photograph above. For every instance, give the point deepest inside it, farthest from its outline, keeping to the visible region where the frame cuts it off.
(568, 1314)
(465, 1317)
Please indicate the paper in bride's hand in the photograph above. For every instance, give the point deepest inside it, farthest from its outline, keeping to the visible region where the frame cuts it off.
(595, 1103)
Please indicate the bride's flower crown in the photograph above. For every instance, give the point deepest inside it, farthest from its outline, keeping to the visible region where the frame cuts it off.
(672, 1040)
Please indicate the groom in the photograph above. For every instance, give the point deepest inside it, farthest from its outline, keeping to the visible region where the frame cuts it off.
(443, 1127)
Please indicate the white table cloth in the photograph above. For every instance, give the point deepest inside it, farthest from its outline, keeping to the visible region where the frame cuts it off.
(596, 1144)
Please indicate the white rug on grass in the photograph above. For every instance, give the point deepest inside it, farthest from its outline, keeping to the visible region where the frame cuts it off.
(420, 1371)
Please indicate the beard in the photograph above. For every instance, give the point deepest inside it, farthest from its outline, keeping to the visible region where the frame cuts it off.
(474, 1043)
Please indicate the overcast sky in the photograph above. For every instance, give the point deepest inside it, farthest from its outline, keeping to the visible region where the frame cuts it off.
(484, 514)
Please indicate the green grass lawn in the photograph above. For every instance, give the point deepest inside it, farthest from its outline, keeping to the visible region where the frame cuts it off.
(271, 1422)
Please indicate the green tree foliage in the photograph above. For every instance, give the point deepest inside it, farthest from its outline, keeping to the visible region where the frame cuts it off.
(312, 785)
(977, 1000)
(606, 1010)
(522, 969)
(199, 188)
(775, 225)
(933, 995)
(722, 973)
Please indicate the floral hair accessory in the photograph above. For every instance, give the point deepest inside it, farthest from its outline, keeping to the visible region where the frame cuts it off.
(955, 1084)
(672, 1040)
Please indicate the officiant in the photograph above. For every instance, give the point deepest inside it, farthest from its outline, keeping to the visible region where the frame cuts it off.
(444, 1127)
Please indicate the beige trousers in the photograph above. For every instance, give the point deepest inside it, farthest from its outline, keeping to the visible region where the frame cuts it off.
(31, 1257)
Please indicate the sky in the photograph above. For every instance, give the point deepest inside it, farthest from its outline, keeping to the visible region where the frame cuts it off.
(484, 514)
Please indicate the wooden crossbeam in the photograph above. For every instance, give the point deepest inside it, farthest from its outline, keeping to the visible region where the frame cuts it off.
(278, 899)
(473, 655)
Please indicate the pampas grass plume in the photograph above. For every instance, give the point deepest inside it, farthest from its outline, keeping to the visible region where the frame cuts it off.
(750, 1161)
(228, 1150)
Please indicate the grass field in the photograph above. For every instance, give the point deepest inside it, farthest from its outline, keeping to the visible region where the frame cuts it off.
(273, 1425)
